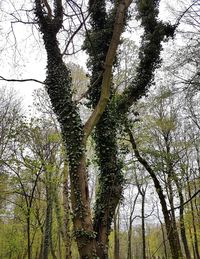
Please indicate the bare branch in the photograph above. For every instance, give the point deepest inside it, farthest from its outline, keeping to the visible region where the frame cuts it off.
(182, 205)
(21, 80)
(182, 15)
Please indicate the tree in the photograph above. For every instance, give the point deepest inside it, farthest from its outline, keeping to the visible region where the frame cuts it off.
(110, 18)
(58, 84)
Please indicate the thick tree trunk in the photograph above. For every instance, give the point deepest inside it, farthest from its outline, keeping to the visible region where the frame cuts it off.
(110, 181)
(58, 84)
(110, 178)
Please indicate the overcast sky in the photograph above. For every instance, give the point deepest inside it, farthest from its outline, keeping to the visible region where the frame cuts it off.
(27, 59)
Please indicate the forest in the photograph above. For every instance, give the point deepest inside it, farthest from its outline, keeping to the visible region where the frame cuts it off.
(100, 129)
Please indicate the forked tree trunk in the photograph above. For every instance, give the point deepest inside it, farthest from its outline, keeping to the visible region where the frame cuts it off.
(58, 84)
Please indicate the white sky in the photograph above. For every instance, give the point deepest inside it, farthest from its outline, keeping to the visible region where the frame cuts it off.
(28, 60)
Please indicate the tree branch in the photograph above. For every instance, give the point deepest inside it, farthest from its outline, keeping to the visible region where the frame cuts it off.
(21, 80)
(105, 92)
(192, 197)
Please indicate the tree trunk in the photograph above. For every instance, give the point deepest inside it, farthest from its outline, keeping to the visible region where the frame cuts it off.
(164, 241)
(172, 211)
(129, 250)
(175, 252)
(58, 85)
(181, 218)
(48, 218)
(143, 227)
(116, 234)
(67, 221)
(28, 234)
(197, 255)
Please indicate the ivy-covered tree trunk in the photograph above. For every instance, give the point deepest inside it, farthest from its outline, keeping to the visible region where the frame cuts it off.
(58, 85)
(110, 177)
(96, 44)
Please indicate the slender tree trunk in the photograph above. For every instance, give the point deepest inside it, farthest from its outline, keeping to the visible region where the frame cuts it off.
(116, 234)
(48, 219)
(28, 234)
(173, 217)
(41, 248)
(130, 229)
(129, 250)
(175, 252)
(53, 254)
(164, 240)
(192, 242)
(193, 222)
(67, 211)
(143, 227)
(181, 218)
